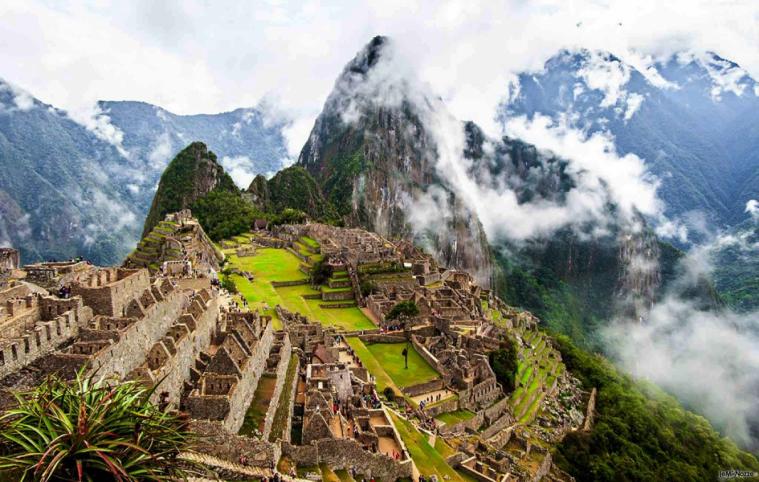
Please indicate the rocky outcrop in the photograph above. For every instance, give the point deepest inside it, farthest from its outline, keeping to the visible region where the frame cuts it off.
(375, 160)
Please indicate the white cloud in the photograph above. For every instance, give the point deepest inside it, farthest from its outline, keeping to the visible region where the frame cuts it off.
(161, 151)
(177, 54)
(610, 76)
(22, 100)
(242, 169)
(96, 121)
(708, 358)
(752, 207)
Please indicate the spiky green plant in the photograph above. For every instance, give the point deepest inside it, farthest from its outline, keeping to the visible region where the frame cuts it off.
(90, 430)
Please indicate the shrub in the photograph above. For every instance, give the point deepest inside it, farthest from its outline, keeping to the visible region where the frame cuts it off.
(320, 272)
(389, 393)
(504, 364)
(403, 309)
(91, 430)
(228, 284)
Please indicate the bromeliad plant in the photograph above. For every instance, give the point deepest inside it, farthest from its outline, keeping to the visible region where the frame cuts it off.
(90, 430)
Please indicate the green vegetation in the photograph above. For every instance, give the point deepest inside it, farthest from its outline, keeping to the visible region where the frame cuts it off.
(504, 364)
(283, 409)
(270, 264)
(390, 357)
(428, 460)
(292, 188)
(372, 364)
(455, 417)
(256, 413)
(224, 214)
(228, 283)
(179, 185)
(90, 430)
(735, 269)
(640, 433)
(402, 310)
(320, 272)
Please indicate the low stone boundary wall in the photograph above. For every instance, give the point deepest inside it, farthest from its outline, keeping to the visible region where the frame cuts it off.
(282, 284)
(382, 338)
(362, 333)
(293, 388)
(471, 424)
(436, 409)
(312, 296)
(344, 454)
(337, 295)
(215, 440)
(350, 304)
(493, 412)
(421, 388)
(429, 357)
(500, 424)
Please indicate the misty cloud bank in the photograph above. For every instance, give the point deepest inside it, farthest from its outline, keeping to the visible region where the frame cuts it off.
(709, 359)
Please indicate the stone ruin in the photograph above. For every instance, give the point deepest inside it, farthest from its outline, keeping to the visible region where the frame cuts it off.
(9, 260)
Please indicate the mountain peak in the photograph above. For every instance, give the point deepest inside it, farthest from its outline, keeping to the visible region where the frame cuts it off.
(192, 174)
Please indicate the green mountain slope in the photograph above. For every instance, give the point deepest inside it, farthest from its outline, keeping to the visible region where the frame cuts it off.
(192, 174)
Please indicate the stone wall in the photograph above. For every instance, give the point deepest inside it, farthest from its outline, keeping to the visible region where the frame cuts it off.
(590, 411)
(287, 431)
(281, 284)
(215, 440)
(243, 394)
(176, 370)
(9, 259)
(131, 350)
(382, 338)
(425, 387)
(350, 304)
(436, 409)
(337, 295)
(46, 335)
(281, 374)
(472, 424)
(346, 454)
(500, 424)
(429, 357)
(108, 291)
(493, 412)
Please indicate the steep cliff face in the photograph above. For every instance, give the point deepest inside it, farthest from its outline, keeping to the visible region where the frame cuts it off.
(375, 159)
(192, 174)
(578, 276)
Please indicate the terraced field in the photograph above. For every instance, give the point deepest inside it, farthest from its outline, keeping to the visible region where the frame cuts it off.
(272, 264)
(426, 458)
(537, 372)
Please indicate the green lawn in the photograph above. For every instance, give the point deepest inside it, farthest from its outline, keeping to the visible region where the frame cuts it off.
(371, 364)
(455, 417)
(428, 460)
(271, 264)
(310, 242)
(390, 358)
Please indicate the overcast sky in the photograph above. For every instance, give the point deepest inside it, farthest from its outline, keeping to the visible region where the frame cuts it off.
(191, 57)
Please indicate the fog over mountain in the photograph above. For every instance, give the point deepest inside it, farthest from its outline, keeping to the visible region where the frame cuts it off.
(691, 117)
(74, 188)
(599, 168)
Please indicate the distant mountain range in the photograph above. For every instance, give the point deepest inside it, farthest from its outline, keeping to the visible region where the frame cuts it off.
(693, 118)
(69, 190)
